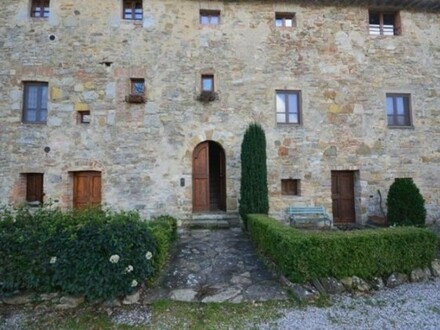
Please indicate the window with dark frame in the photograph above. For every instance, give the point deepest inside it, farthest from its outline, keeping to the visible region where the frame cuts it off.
(137, 86)
(207, 82)
(288, 106)
(384, 23)
(285, 20)
(34, 188)
(35, 102)
(399, 109)
(132, 10)
(210, 17)
(40, 8)
(290, 187)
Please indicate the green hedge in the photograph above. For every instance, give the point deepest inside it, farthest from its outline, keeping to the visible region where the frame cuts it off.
(100, 254)
(303, 256)
(164, 230)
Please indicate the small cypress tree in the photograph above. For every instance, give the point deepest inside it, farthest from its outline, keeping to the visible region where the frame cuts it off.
(253, 188)
(406, 205)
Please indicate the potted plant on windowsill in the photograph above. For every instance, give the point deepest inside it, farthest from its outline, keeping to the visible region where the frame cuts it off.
(207, 96)
(135, 98)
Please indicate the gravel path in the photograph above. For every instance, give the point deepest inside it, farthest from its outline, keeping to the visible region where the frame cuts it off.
(410, 306)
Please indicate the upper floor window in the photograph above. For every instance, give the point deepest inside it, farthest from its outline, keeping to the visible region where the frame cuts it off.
(40, 8)
(35, 102)
(398, 110)
(288, 105)
(210, 17)
(384, 23)
(285, 19)
(132, 9)
(207, 82)
(138, 86)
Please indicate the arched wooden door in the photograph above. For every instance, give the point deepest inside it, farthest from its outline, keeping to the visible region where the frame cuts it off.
(209, 177)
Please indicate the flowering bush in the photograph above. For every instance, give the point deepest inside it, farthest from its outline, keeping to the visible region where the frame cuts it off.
(97, 253)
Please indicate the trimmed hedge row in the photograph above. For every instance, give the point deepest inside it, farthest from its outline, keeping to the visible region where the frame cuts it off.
(303, 256)
(100, 254)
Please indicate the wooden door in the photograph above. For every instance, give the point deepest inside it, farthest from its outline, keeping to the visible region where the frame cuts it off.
(34, 187)
(343, 197)
(86, 189)
(201, 178)
(209, 177)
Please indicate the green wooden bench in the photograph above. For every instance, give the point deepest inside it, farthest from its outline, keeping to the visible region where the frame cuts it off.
(308, 215)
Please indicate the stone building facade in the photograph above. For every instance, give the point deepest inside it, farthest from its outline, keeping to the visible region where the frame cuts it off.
(347, 94)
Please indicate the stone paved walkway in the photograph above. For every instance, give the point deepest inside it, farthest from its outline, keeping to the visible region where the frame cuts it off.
(216, 266)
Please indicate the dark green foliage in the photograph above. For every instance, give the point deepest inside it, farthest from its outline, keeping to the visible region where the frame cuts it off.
(406, 205)
(47, 250)
(253, 188)
(302, 256)
(164, 230)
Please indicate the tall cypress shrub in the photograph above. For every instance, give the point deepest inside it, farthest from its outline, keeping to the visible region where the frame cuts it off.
(253, 188)
(406, 205)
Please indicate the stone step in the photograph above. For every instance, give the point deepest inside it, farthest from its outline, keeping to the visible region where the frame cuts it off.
(209, 224)
(220, 220)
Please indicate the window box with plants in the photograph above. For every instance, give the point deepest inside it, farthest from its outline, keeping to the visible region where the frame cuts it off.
(207, 96)
(135, 98)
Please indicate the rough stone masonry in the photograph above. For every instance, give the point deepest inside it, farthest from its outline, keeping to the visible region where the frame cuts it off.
(87, 54)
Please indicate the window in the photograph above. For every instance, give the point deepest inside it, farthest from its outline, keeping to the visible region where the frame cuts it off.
(207, 82)
(398, 110)
(138, 86)
(288, 105)
(210, 17)
(40, 8)
(132, 9)
(34, 188)
(285, 20)
(290, 187)
(137, 91)
(84, 117)
(384, 23)
(35, 102)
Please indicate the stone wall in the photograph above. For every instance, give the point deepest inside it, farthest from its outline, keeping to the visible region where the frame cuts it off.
(143, 150)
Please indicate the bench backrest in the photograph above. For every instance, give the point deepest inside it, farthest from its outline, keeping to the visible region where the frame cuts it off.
(306, 210)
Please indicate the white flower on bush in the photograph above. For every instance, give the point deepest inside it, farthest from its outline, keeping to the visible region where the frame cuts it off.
(134, 283)
(148, 255)
(114, 259)
(129, 269)
(53, 260)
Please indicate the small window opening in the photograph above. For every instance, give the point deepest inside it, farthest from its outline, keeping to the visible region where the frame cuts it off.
(133, 10)
(210, 17)
(40, 8)
(84, 117)
(106, 63)
(290, 187)
(207, 83)
(384, 23)
(138, 86)
(285, 20)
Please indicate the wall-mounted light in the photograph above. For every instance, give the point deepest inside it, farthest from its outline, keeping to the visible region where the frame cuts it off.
(182, 182)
